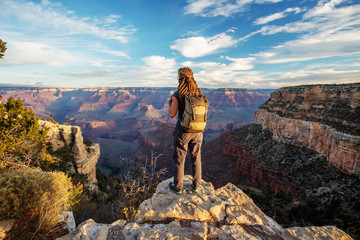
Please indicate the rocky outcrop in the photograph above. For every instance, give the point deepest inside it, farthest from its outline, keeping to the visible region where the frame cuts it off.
(86, 157)
(5, 226)
(225, 213)
(325, 118)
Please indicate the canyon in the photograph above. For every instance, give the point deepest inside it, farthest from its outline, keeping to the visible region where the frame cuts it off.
(298, 161)
(120, 118)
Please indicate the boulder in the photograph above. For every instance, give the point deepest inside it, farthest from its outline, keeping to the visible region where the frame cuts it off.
(5, 226)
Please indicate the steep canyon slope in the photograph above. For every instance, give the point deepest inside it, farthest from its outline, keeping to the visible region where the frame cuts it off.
(325, 118)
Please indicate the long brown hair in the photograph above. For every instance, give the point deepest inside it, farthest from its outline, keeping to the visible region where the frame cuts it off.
(187, 83)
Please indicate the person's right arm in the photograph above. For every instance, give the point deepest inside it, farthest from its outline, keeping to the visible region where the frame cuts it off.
(173, 105)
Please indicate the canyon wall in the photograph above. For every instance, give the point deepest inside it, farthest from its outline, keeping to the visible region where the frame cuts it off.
(86, 157)
(325, 118)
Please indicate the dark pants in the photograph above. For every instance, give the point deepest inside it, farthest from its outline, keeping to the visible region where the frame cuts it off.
(183, 141)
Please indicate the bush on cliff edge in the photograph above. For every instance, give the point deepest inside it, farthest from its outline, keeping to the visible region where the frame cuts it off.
(35, 195)
(35, 198)
(22, 143)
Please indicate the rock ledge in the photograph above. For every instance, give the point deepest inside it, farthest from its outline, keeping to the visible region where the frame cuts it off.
(225, 213)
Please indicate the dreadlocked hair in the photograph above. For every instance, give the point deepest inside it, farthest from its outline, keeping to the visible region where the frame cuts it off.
(187, 83)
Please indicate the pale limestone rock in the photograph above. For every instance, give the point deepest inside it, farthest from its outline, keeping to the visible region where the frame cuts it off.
(85, 157)
(68, 217)
(173, 230)
(5, 226)
(227, 203)
(88, 230)
(226, 213)
(324, 233)
(79, 148)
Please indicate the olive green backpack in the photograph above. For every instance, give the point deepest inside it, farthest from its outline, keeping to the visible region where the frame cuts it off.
(195, 111)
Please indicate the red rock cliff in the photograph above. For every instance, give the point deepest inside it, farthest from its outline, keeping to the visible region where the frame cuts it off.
(325, 118)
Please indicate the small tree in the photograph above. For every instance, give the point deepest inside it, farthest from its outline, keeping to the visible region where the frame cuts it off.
(2, 48)
(22, 143)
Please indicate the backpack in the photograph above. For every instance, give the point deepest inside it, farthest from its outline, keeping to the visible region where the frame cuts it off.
(195, 111)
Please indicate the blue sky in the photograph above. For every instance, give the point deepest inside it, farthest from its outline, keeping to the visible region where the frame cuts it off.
(134, 43)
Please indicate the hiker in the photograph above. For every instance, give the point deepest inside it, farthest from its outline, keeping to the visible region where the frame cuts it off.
(189, 129)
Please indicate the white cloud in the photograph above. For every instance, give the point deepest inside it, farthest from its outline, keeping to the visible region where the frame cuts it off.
(52, 18)
(158, 68)
(194, 47)
(48, 34)
(241, 63)
(275, 16)
(327, 31)
(156, 71)
(324, 7)
(213, 8)
(159, 63)
(116, 53)
(31, 53)
(234, 73)
(270, 18)
(50, 54)
(317, 76)
(267, 1)
(313, 47)
(90, 74)
(198, 6)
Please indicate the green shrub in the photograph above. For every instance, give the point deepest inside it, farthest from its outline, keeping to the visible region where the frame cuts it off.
(22, 143)
(52, 120)
(65, 159)
(38, 195)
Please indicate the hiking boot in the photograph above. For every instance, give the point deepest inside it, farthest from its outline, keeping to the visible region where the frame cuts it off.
(173, 188)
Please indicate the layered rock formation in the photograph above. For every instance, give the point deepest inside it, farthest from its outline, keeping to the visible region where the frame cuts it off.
(118, 108)
(286, 181)
(325, 118)
(225, 213)
(126, 115)
(86, 157)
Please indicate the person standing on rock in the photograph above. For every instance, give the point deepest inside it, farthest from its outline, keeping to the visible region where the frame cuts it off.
(188, 133)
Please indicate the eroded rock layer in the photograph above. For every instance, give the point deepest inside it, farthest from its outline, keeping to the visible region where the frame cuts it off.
(86, 157)
(325, 118)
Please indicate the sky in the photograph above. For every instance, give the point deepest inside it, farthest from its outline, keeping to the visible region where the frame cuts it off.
(142, 43)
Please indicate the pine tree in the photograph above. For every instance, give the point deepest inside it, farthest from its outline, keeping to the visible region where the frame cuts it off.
(2, 48)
